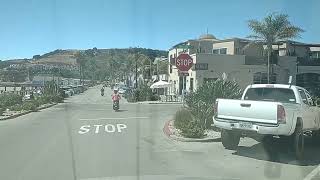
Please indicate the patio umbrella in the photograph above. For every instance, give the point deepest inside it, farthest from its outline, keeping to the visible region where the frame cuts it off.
(160, 84)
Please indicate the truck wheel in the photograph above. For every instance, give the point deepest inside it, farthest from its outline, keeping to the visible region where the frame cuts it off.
(230, 139)
(298, 142)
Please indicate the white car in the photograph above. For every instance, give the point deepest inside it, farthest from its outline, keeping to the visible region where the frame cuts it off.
(122, 91)
(67, 93)
(268, 110)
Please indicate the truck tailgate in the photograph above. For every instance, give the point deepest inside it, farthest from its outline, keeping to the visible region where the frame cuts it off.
(244, 110)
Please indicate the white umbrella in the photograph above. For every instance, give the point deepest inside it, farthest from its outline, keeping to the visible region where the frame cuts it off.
(160, 84)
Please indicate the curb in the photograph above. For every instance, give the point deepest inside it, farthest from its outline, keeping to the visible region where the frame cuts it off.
(27, 112)
(314, 175)
(154, 103)
(45, 107)
(171, 135)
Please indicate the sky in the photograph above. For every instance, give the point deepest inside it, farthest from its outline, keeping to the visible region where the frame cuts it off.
(31, 27)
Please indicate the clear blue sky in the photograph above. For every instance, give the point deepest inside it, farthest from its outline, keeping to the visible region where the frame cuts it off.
(30, 27)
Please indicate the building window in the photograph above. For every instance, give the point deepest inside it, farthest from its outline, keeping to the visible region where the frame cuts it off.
(219, 51)
(215, 51)
(315, 54)
(223, 51)
(238, 51)
(170, 68)
(191, 85)
(262, 78)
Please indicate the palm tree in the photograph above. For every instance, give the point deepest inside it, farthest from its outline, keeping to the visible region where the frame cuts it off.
(273, 28)
(80, 59)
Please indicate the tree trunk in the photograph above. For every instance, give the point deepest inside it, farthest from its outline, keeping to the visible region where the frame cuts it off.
(268, 67)
(269, 46)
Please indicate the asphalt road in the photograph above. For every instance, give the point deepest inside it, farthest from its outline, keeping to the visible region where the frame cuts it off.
(85, 139)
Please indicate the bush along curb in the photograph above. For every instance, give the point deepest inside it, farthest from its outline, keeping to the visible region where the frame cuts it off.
(167, 130)
(27, 112)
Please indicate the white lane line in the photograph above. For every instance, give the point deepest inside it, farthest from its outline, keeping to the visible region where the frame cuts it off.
(113, 118)
(313, 174)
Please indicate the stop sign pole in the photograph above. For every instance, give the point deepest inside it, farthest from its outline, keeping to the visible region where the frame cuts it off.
(184, 62)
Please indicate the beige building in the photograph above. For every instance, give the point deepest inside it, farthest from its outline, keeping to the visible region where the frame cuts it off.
(243, 61)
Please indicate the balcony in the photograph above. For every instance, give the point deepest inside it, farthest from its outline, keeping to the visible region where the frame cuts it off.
(308, 61)
(253, 60)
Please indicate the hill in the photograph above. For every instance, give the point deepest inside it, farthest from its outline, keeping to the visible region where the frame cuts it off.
(69, 56)
(103, 63)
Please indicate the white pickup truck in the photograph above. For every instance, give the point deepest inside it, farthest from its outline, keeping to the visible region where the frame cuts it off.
(268, 110)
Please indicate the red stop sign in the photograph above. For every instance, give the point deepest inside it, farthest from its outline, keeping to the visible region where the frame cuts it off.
(184, 62)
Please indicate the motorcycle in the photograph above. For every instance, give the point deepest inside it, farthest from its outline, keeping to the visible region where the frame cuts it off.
(116, 105)
(102, 93)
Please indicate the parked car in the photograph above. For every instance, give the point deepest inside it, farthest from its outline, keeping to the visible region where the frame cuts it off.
(268, 111)
(71, 91)
(81, 88)
(122, 90)
(67, 93)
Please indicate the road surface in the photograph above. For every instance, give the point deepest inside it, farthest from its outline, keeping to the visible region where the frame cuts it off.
(85, 139)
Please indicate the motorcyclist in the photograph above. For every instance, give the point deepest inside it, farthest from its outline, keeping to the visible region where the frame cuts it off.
(115, 96)
(102, 91)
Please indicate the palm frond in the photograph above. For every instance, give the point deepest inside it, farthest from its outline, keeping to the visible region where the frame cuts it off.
(273, 28)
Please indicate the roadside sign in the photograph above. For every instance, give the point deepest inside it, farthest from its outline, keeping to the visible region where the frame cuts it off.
(183, 73)
(184, 62)
(201, 66)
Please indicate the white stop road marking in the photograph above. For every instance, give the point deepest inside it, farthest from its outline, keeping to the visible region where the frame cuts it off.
(108, 128)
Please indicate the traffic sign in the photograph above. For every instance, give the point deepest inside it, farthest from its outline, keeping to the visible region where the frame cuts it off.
(183, 73)
(201, 66)
(184, 62)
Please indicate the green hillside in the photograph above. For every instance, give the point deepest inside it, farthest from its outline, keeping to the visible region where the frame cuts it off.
(96, 64)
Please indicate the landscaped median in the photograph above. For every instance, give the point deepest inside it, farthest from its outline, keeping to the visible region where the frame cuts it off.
(11, 105)
(13, 114)
(173, 133)
(193, 121)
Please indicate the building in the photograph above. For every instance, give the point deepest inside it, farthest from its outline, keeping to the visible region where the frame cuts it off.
(243, 61)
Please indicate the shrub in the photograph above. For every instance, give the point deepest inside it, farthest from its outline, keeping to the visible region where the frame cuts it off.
(155, 97)
(201, 102)
(57, 99)
(182, 118)
(51, 98)
(193, 130)
(29, 106)
(7, 100)
(17, 107)
(1, 111)
(42, 100)
(187, 124)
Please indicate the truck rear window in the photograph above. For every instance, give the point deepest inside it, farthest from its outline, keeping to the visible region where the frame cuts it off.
(270, 94)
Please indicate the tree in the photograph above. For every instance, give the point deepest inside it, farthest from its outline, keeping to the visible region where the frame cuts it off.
(273, 28)
(36, 56)
(82, 58)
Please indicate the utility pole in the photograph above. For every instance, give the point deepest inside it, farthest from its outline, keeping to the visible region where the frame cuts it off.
(135, 55)
(158, 77)
(150, 69)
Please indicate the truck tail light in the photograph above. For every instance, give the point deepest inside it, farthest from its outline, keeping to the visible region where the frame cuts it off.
(281, 115)
(215, 108)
